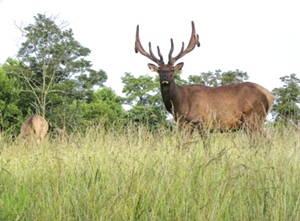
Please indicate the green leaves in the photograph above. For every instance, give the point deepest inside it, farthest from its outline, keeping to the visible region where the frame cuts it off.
(219, 78)
(143, 90)
(51, 49)
(55, 70)
(143, 95)
(9, 99)
(286, 107)
(105, 107)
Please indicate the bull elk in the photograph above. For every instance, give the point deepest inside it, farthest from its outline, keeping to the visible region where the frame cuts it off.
(34, 129)
(208, 109)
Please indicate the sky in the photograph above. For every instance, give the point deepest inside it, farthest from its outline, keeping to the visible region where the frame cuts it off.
(260, 37)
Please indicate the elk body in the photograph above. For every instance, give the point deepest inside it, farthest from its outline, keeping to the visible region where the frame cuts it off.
(223, 108)
(34, 129)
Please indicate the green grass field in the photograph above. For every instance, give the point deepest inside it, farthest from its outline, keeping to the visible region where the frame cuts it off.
(138, 175)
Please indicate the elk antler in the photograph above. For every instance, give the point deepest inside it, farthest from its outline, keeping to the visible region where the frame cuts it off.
(193, 42)
(139, 48)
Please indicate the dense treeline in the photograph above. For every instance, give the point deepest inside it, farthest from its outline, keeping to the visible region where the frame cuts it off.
(52, 77)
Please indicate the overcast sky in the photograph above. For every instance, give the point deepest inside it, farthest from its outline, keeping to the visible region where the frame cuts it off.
(261, 37)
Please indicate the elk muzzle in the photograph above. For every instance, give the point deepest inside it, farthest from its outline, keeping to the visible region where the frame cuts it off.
(164, 80)
(165, 76)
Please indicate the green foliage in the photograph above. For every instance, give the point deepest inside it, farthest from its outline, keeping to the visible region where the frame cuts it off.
(50, 48)
(10, 113)
(143, 90)
(152, 116)
(105, 107)
(286, 108)
(143, 95)
(205, 78)
(55, 76)
(53, 57)
(218, 78)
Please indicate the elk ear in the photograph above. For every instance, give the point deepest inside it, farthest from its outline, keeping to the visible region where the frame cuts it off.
(153, 67)
(178, 67)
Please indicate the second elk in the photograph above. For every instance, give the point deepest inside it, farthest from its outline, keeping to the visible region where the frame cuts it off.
(34, 129)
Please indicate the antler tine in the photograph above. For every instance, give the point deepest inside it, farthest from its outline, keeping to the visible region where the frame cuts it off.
(172, 49)
(160, 55)
(194, 40)
(154, 57)
(139, 48)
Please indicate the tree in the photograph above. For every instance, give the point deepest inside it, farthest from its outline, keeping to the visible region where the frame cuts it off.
(286, 107)
(205, 78)
(55, 70)
(105, 106)
(140, 91)
(218, 78)
(10, 113)
(143, 95)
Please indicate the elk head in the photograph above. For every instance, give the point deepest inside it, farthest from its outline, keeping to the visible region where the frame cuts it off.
(61, 132)
(34, 129)
(167, 71)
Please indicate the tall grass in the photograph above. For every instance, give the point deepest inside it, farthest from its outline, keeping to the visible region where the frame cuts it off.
(138, 175)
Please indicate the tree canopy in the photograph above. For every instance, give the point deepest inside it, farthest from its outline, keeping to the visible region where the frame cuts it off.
(52, 76)
(286, 107)
(143, 96)
(53, 70)
(219, 78)
(10, 113)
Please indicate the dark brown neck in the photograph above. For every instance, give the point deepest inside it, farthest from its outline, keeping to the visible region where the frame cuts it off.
(172, 95)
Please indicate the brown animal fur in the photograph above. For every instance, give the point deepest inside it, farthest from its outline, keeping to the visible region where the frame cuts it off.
(224, 108)
(34, 129)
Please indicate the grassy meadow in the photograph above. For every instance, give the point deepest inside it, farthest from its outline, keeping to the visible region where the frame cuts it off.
(138, 175)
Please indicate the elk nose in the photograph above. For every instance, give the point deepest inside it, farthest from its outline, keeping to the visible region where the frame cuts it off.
(164, 80)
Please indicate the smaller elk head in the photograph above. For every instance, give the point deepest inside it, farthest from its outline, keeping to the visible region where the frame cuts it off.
(34, 129)
(61, 132)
